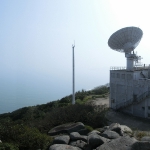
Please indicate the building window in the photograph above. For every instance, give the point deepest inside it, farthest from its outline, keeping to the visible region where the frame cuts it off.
(129, 76)
(123, 76)
(118, 75)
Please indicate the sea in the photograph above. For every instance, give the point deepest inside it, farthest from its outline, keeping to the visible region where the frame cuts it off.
(12, 103)
(13, 96)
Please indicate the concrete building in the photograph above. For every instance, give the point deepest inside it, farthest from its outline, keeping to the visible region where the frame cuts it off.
(130, 90)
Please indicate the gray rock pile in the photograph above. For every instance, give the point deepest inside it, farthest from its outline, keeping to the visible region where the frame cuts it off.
(113, 137)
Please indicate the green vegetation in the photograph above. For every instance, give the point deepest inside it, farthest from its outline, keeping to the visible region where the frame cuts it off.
(8, 146)
(74, 113)
(89, 128)
(22, 136)
(27, 128)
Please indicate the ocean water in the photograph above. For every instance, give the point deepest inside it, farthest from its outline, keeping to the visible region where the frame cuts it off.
(12, 100)
(17, 94)
(9, 104)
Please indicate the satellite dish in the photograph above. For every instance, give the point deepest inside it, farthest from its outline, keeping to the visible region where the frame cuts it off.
(126, 39)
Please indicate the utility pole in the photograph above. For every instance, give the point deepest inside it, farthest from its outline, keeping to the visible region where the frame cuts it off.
(73, 78)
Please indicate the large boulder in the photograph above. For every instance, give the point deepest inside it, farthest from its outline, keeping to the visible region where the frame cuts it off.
(96, 140)
(115, 127)
(121, 143)
(66, 128)
(125, 129)
(79, 143)
(64, 139)
(76, 136)
(141, 145)
(110, 134)
(94, 132)
(83, 131)
(145, 138)
(120, 129)
(63, 147)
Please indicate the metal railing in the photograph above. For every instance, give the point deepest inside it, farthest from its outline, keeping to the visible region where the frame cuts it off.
(133, 101)
(117, 68)
(134, 68)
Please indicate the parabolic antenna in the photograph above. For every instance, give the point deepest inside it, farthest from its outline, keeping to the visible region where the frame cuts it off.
(126, 39)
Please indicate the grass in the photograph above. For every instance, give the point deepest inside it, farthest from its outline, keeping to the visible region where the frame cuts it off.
(89, 128)
(139, 134)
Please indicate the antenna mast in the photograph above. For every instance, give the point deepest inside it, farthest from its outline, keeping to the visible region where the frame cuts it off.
(73, 78)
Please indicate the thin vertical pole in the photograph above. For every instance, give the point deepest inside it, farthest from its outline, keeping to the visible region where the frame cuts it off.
(73, 78)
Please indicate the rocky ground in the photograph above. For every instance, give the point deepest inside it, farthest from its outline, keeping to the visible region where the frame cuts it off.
(113, 137)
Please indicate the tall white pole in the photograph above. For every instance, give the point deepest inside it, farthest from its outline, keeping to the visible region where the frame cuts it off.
(73, 77)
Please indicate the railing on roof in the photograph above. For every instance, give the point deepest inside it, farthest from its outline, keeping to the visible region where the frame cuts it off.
(134, 68)
(117, 68)
(141, 67)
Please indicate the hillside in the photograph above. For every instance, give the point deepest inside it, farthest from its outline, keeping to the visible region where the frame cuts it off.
(34, 122)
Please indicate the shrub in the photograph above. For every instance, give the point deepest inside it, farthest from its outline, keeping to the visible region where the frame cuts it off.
(139, 134)
(100, 90)
(89, 115)
(25, 137)
(8, 146)
(89, 128)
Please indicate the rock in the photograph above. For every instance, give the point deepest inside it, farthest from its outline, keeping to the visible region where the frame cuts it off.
(63, 147)
(87, 147)
(83, 131)
(145, 138)
(120, 129)
(0, 141)
(110, 134)
(96, 140)
(64, 139)
(66, 128)
(101, 130)
(79, 143)
(125, 129)
(115, 127)
(76, 136)
(121, 143)
(141, 145)
(106, 127)
(94, 132)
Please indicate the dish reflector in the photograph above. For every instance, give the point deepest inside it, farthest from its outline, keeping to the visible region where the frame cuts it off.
(126, 39)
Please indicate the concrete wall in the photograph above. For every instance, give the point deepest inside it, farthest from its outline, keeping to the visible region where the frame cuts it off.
(141, 109)
(126, 84)
(121, 86)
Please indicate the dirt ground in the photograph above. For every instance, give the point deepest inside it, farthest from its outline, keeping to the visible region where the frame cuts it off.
(133, 122)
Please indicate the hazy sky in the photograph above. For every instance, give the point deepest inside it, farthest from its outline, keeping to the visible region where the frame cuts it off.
(36, 38)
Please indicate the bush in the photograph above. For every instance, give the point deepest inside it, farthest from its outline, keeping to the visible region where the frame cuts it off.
(139, 134)
(25, 137)
(89, 115)
(100, 90)
(8, 146)
(89, 128)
